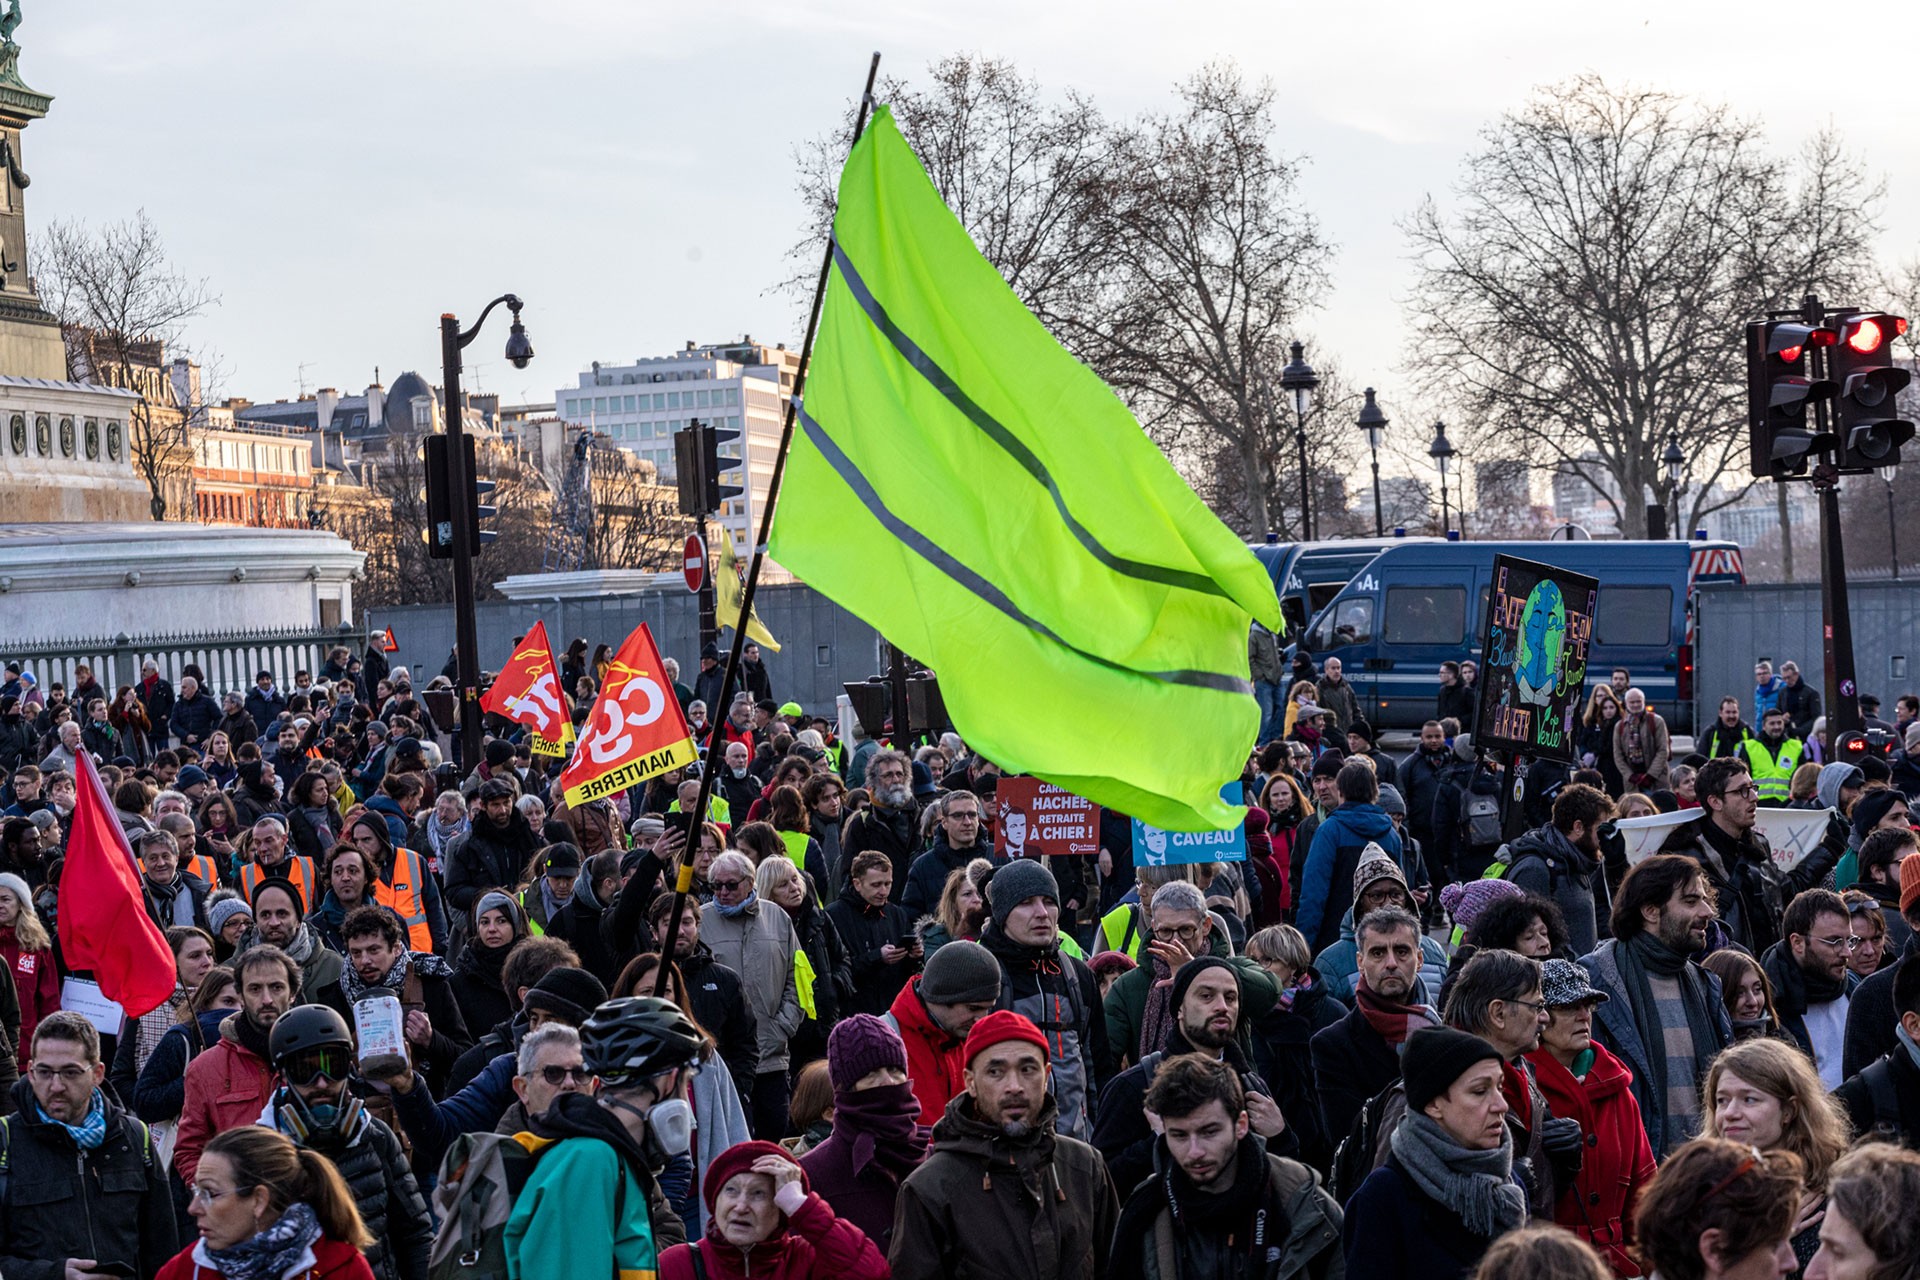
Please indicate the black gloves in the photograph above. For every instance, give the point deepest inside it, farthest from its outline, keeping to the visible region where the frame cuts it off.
(1565, 1147)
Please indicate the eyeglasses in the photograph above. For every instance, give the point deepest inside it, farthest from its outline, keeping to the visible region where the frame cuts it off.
(331, 1061)
(556, 1076)
(1847, 943)
(1749, 791)
(1167, 933)
(728, 885)
(204, 1196)
(65, 1075)
(1538, 1006)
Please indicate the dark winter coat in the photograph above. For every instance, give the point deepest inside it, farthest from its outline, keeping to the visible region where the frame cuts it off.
(1351, 1063)
(111, 1204)
(194, 718)
(1856, 1095)
(720, 1006)
(864, 1196)
(1283, 1055)
(1750, 890)
(265, 710)
(488, 857)
(1870, 1016)
(832, 978)
(1420, 776)
(450, 1036)
(987, 1206)
(1060, 995)
(869, 829)
(927, 878)
(161, 1090)
(1305, 1224)
(377, 1173)
(1545, 862)
(865, 930)
(1395, 1231)
(1123, 1137)
(157, 699)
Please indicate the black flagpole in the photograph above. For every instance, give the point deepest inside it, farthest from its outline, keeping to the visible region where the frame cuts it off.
(717, 738)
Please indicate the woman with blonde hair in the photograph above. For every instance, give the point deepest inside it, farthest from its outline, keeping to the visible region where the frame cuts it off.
(1766, 1094)
(960, 914)
(268, 1208)
(1533, 1252)
(28, 950)
(830, 979)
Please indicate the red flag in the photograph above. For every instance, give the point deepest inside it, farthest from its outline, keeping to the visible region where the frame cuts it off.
(527, 691)
(636, 729)
(104, 925)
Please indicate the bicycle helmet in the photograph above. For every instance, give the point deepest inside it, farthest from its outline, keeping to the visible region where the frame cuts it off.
(304, 1027)
(634, 1039)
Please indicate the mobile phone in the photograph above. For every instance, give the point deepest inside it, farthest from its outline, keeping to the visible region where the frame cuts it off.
(681, 822)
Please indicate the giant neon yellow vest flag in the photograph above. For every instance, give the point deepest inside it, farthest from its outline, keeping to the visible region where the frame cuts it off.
(962, 483)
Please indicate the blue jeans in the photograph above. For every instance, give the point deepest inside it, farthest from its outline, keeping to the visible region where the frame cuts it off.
(1273, 709)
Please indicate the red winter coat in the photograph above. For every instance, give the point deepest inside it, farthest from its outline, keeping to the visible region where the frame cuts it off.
(36, 981)
(1618, 1161)
(332, 1261)
(227, 1087)
(815, 1246)
(936, 1062)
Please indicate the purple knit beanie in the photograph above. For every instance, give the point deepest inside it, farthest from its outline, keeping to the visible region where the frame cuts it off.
(860, 1044)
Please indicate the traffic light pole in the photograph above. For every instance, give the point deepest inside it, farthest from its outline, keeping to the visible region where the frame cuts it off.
(460, 497)
(709, 629)
(1843, 693)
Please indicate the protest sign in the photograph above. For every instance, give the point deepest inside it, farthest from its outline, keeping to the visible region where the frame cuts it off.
(1155, 847)
(1644, 836)
(527, 691)
(1036, 819)
(1792, 834)
(1533, 658)
(78, 995)
(636, 729)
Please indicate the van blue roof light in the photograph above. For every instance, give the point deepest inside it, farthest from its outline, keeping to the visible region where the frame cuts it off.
(1699, 535)
(1453, 535)
(1399, 531)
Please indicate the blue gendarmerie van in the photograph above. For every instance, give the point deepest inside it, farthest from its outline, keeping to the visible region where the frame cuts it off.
(1306, 575)
(1418, 604)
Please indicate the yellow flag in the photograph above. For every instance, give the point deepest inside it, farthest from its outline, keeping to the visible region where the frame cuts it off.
(728, 593)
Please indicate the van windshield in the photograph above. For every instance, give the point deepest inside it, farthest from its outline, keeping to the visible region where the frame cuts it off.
(1348, 622)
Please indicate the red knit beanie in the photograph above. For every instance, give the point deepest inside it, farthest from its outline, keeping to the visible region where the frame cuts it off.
(998, 1026)
(738, 1159)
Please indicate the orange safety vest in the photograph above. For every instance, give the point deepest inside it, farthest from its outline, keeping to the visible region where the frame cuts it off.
(405, 899)
(297, 869)
(199, 864)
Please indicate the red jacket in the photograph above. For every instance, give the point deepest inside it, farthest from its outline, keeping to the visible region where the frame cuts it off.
(36, 981)
(936, 1062)
(332, 1261)
(1618, 1161)
(815, 1246)
(227, 1087)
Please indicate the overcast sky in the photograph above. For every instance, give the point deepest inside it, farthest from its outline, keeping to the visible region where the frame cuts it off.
(342, 174)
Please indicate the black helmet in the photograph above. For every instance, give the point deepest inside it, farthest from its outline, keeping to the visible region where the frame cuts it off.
(629, 1040)
(304, 1027)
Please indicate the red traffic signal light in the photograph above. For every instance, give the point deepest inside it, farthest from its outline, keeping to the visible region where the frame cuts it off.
(1780, 435)
(1869, 430)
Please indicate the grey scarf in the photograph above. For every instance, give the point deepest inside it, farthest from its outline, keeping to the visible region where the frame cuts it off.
(1477, 1185)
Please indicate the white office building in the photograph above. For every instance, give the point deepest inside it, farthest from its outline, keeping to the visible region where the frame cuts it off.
(741, 386)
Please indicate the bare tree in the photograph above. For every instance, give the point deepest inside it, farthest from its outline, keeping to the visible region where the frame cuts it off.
(635, 521)
(121, 302)
(1586, 301)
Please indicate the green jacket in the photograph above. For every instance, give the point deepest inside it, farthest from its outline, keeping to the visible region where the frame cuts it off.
(1126, 1003)
(581, 1216)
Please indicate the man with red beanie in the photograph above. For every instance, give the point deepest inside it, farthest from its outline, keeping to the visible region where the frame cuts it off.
(764, 1221)
(1002, 1194)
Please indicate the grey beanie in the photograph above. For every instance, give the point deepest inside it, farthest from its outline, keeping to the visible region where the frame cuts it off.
(960, 973)
(1391, 802)
(1014, 883)
(226, 909)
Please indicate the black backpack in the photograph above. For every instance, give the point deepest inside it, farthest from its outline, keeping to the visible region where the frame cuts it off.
(1887, 1123)
(1479, 819)
(1367, 1143)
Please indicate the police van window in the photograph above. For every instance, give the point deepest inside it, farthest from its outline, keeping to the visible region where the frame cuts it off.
(1634, 615)
(1348, 622)
(1426, 615)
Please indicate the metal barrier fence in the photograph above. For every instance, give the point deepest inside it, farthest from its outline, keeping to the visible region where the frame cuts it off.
(228, 661)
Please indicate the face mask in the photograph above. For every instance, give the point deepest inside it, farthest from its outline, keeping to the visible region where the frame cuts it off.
(325, 1114)
(671, 1125)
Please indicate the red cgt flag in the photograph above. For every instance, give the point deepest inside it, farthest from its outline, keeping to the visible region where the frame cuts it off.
(527, 691)
(104, 924)
(636, 729)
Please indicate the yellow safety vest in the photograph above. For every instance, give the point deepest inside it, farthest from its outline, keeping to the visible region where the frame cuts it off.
(1774, 777)
(718, 810)
(1114, 928)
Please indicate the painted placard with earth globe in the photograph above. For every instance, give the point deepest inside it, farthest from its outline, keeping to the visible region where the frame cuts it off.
(1533, 658)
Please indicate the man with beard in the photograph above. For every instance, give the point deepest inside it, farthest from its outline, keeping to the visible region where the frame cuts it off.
(1053, 990)
(314, 1057)
(495, 852)
(1664, 1016)
(715, 993)
(739, 786)
(959, 839)
(889, 825)
(230, 1083)
(279, 920)
(1421, 779)
(933, 1015)
(1727, 733)
(1217, 1180)
(1358, 1056)
(1811, 981)
(1561, 862)
(1748, 886)
(378, 959)
(1772, 758)
(1001, 1193)
(1205, 999)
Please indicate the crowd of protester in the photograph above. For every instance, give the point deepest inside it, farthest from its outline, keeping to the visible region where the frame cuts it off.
(1436, 1024)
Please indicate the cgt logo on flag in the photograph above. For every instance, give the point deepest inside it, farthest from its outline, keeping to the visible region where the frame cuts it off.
(527, 692)
(636, 729)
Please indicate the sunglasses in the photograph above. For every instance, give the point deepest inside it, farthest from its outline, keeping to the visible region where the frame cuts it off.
(556, 1076)
(728, 885)
(331, 1061)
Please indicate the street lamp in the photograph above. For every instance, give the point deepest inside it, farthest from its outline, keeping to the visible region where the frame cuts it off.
(1374, 423)
(1441, 451)
(1298, 379)
(461, 497)
(1893, 536)
(1672, 461)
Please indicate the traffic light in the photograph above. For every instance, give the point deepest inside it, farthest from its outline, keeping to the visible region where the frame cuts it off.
(687, 474)
(438, 535)
(1869, 429)
(713, 464)
(1779, 393)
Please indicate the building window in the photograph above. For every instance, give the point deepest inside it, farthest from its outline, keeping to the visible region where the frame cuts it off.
(659, 400)
(701, 400)
(733, 396)
(628, 400)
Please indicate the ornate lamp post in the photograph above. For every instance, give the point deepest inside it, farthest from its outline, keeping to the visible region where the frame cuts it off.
(1374, 423)
(1298, 379)
(1441, 451)
(1672, 461)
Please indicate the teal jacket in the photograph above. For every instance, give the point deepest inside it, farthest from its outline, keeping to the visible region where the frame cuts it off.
(582, 1216)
